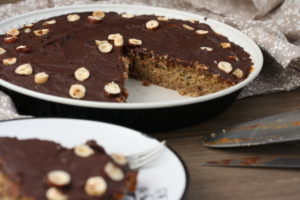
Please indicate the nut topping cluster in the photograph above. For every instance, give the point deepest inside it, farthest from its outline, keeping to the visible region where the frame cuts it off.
(135, 42)
(82, 73)
(24, 69)
(188, 27)
(112, 88)
(2, 51)
(41, 78)
(83, 150)
(127, 15)
(117, 38)
(105, 47)
(225, 66)
(114, 172)
(13, 32)
(95, 186)
(58, 178)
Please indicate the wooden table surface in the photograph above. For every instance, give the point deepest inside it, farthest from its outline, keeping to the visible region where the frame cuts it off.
(238, 183)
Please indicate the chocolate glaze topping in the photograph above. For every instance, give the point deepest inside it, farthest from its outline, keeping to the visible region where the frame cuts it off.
(70, 45)
(27, 163)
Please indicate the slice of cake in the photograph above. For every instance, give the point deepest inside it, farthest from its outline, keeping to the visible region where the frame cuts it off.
(90, 55)
(42, 170)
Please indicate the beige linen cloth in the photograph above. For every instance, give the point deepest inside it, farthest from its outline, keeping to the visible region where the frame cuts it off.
(273, 24)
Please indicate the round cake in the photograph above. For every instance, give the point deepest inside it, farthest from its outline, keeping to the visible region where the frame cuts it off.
(90, 55)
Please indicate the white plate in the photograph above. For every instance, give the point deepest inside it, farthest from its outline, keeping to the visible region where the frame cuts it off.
(166, 177)
(140, 97)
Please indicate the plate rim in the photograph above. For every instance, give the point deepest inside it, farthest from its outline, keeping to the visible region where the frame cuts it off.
(177, 155)
(140, 105)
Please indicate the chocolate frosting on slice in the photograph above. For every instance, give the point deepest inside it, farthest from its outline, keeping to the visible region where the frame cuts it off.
(27, 163)
(71, 45)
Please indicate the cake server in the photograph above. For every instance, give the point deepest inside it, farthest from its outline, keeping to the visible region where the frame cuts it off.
(283, 127)
(257, 162)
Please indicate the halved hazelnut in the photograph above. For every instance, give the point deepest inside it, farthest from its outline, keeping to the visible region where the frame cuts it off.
(55, 194)
(23, 49)
(28, 25)
(73, 17)
(94, 20)
(112, 88)
(77, 91)
(118, 39)
(188, 27)
(41, 32)
(98, 42)
(82, 74)
(152, 25)
(99, 14)
(193, 21)
(105, 47)
(9, 61)
(225, 45)
(127, 15)
(225, 66)
(27, 30)
(83, 150)
(24, 69)
(113, 36)
(95, 186)
(58, 178)
(50, 22)
(114, 172)
(238, 73)
(41, 78)
(2, 51)
(13, 32)
(201, 32)
(206, 48)
(119, 158)
(10, 39)
(233, 58)
(135, 42)
(161, 18)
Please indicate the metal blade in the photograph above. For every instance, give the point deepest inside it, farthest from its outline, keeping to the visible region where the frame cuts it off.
(257, 162)
(284, 127)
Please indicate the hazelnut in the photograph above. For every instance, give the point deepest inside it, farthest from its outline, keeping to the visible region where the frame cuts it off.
(201, 32)
(50, 22)
(9, 61)
(113, 36)
(83, 150)
(225, 66)
(77, 91)
(95, 186)
(98, 42)
(118, 39)
(187, 27)
(152, 25)
(193, 21)
(225, 45)
(238, 73)
(41, 32)
(2, 51)
(28, 25)
(58, 178)
(24, 69)
(206, 48)
(10, 39)
(23, 49)
(119, 158)
(73, 17)
(82, 74)
(233, 58)
(161, 18)
(105, 47)
(127, 15)
(54, 194)
(99, 14)
(41, 78)
(13, 32)
(94, 20)
(114, 172)
(135, 42)
(27, 30)
(112, 88)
